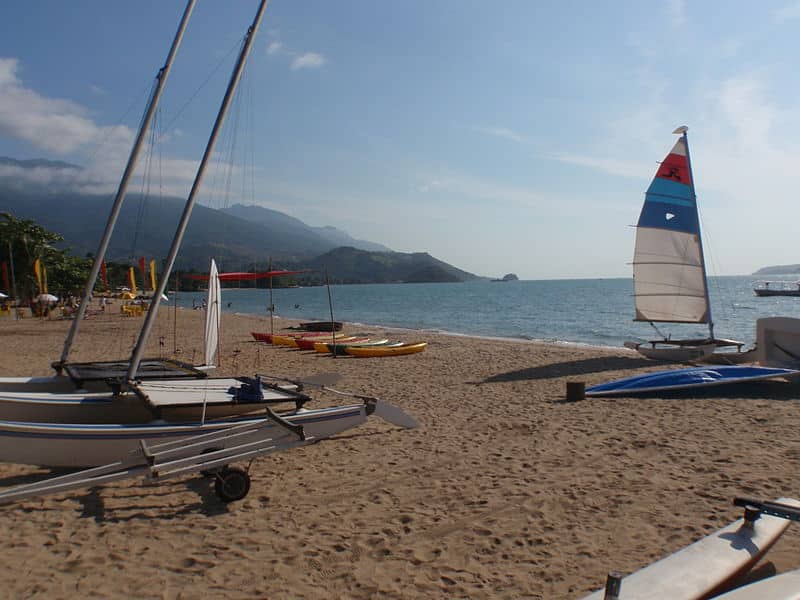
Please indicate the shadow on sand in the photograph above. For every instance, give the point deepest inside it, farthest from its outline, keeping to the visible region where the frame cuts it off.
(93, 502)
(570, 368)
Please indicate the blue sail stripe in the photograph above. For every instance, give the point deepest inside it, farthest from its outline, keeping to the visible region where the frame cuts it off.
(672, 190)
(672, 217)
(651, 197)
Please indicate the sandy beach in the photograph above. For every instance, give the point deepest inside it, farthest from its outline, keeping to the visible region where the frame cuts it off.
(505, 491)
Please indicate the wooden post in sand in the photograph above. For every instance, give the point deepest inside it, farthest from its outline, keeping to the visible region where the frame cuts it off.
(576, 390)
(613, 586)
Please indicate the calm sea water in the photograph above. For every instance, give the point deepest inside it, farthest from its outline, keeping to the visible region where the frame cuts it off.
(587, 311)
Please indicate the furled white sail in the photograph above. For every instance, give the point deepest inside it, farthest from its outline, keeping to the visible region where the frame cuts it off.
(668, 271)
(213, 316)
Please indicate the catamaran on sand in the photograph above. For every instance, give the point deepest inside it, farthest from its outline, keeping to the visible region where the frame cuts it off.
(669, 270)
(145, 435)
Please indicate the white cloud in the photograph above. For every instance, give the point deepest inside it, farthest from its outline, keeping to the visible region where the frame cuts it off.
(63, 127)
(52, 124)
(308, 60)
(97, 90)
(297, 60)
(502, 132)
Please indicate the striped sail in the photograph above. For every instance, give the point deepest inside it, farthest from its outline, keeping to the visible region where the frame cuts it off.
(669, 278)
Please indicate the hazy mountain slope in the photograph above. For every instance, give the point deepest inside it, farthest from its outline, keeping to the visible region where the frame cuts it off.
(275, 220)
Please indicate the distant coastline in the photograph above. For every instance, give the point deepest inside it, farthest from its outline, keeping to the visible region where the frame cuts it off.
(778, 270)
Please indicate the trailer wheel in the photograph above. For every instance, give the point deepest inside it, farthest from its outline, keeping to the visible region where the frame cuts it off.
(215, 470)
(232, 484)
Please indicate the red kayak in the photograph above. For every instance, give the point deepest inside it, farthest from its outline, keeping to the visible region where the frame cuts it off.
(267, 337)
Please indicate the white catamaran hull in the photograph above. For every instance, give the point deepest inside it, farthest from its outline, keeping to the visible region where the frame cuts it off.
(178, 400)
(81, 445)
(674, 354)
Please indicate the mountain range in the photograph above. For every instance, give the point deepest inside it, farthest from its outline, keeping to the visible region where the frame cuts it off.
(239, 236)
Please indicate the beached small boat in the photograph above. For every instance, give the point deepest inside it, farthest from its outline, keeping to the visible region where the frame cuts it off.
(377, 351)
(86, 445)
(340, 349)
(689, 379)
(669, 269)
(171, 400)
(710, 565)
(321, 326)
(157, 452)
(286, 339)
(262, 337)
(308, 343)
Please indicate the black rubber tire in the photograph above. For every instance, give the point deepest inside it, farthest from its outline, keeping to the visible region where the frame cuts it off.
(232, 484)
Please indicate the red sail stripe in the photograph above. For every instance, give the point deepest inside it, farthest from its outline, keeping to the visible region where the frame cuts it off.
(676, 168)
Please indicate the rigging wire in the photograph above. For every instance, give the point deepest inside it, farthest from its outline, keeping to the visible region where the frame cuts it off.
(731, 312)
(237, 46)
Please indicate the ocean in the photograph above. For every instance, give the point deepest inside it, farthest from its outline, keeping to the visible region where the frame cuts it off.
(596, 312)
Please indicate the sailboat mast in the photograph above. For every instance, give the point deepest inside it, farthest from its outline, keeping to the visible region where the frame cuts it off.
(136, 357)
(699, 234)
(271, 305)
(99, 256)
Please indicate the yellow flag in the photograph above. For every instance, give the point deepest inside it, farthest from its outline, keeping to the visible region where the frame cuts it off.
(132, 280)
(153, 274)
(44, 279)
(37, 268)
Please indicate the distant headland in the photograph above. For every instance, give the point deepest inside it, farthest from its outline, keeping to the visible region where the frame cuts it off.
(778, 270)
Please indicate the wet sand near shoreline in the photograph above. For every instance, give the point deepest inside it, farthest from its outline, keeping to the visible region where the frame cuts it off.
(505, 490)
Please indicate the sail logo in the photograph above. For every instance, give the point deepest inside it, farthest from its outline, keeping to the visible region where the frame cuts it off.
(669, 216)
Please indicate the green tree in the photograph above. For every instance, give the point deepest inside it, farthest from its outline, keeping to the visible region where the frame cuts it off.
(25, 241)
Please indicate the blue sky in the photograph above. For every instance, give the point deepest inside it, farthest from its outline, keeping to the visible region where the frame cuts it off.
(499, 137)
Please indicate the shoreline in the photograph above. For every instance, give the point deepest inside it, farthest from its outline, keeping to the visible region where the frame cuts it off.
(474, 336)
(505, 491)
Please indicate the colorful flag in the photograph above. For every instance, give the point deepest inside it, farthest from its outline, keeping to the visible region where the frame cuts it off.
(153, 274)
(132, 280)
(104, 276)
(144, 274)
(37, 269)
(4, 268)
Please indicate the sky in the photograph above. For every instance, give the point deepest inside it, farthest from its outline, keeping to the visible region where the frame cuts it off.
(502, 137)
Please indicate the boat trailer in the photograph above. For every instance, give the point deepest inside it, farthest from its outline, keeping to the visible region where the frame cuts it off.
(209, 454)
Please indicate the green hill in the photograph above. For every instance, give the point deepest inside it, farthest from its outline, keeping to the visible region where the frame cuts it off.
(239, 237)
(351, 265)
(778, 270)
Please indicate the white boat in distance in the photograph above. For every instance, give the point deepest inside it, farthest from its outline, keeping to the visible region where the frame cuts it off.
(669, 271)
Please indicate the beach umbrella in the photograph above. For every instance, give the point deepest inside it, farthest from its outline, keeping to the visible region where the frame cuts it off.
(46, 298)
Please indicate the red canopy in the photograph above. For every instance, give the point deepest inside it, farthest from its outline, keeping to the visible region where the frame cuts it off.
(245, 276)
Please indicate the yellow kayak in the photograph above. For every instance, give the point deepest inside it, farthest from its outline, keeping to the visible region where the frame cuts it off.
(283, 340)
(370, 351)
(329, 347)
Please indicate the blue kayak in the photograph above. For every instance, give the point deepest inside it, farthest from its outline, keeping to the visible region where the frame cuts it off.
(684, 379)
